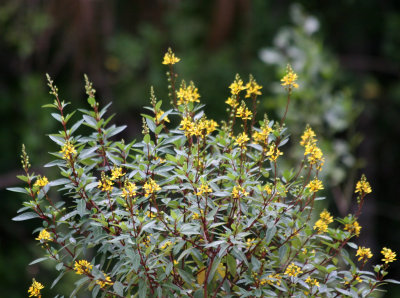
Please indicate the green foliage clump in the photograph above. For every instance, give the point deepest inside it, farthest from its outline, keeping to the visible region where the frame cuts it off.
(200, 209)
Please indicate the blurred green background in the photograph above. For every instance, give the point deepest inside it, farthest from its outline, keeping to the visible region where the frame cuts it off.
(346, 53)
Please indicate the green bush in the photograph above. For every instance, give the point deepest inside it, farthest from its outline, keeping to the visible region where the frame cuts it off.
(199, 209)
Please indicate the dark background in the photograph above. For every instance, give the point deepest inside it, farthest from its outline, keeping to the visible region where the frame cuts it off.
(346, 52)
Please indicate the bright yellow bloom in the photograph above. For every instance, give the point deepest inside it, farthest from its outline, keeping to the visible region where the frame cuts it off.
(238, 191)
(195, 216)
(159, 115)
(268, 189)
(165, 245)
(326, 216)
(116, 173)
(41, 181)
(204, 188)
(308, 136)
(151, 187)
(232, 102)
(210, 125)
(364, 253)
(252, 88)
(187, 94)
(105, 184)
(129, 190)
(244, 113)
(35, 288)
(237, 85)
(272, 278)
(261, 137)
(250, 242)
(104, 282)
(321, 224)
(293, 270)
(289, 80)
(242, 139)
(68, 151)
(312, 281)
(315, 154)
(353, 228)
(388, 255)
(44, 235)
(363, 186)
(315, 185)
(273, 152)
(169, 58)
(82, 267)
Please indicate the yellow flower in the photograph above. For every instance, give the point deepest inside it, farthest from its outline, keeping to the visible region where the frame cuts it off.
(195, 216)
(151, 187)
(326, 216)
(44, 235)
(315, 185)
(204, 188)
(289, 80)
(165, 245)
(242, 139)
(68, 151)
(41, 181)
(169, 58)
(273, 153)
(35, 288)
(353, 228)
(129, 190)
(364, 253)
(312, 281)
(388, 255)
(116, 173)
(105, 184)
(363, 186)
(244, 113)
(252, 88)
(293, 270)
(308, 136)
(187, 94)
(104, 282)
(232, 102)
(268, 189)
(271, 279)
(159, 115)
(321, 224)
(150, 214)
(237, 86)
(237, 191)
(261, 137)
(315, 154)
(250, 242)
(82, 267)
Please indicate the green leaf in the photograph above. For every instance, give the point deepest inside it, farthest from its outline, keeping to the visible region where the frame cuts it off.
(38, 260)
(91, 101)
(25, 216)
(18, 189)
(119, 288)
(213, 269)
(231, 261)
(146, 139)
(57, 279)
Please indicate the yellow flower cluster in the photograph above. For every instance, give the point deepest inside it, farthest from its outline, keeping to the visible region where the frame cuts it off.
(364, 253)
(243, 112)
(242, 139)
(268, 189)
(169, 58)
(82, 267)
(150, 214)
(363, 186)
(273, 152)
(35, 288)
(196, 216)
(166, 245)
(293, 270)
(151, 187)
(68, 151)
(129, 190)
(104, 282)
(312, 282)
(187, 94)
(271, 279)
(388, 255)
(231, 101)
(105, 184)
(289, 80)
(315, 155)
(238, 191)
(201, 127)
(252, 88)
(44, 235)
(250, 242)
(322, 223)
(41, 181)
(315, 185)
(237, 85)
(159, 115)
(261, 137)
(353, 228)
(204, 188)
(116, 173)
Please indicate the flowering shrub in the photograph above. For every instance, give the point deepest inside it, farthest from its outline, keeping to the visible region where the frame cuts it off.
(198, 210)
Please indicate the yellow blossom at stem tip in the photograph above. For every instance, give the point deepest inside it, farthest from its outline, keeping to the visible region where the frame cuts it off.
(289, 80)
(41, 181)
(44, 235)
(363, 186)
(35, 288)
(293, 270)
(388, 255)
(364, 253)
(170, 58)
(82, 267)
